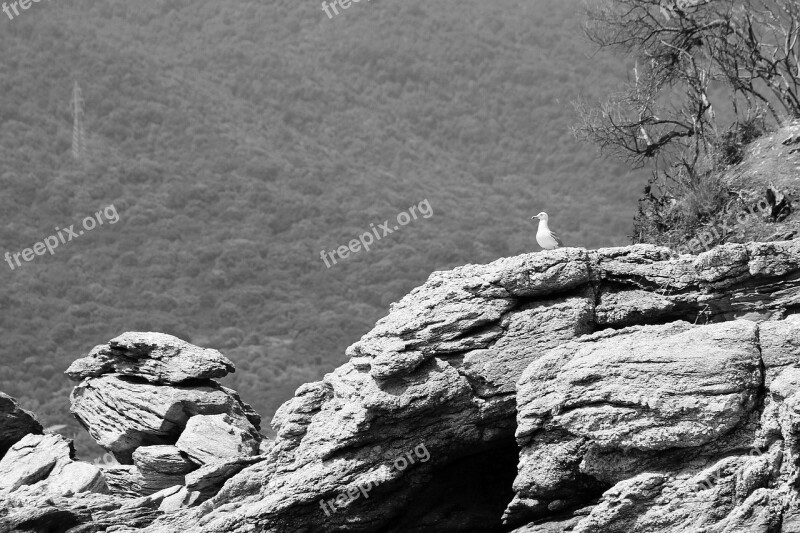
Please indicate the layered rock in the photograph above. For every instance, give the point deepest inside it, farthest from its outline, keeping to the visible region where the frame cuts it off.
(155, 357)
(32, 459)
(603, 408)
(154, 469)
(23, 512)
(129, 481)
(46, 462)
(209, 479)
(15, 423)
(207, 439)
(77, 477)
(122, 413)
(163, 459)
(645, 392)
(148, 398)
(441, 369)
(39, 470)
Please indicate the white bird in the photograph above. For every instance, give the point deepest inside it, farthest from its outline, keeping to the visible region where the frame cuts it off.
(546, 238)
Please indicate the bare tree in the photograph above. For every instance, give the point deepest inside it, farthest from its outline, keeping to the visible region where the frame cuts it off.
(665, 113)
(760, 55)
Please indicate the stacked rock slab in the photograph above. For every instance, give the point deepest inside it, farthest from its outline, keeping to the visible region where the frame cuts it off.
(149, 398)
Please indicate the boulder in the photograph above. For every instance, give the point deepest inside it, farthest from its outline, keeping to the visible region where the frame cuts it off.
(209, 438)
(155, 468)
(122, 413)
(155, 357)
(32, 459)
(15, 423)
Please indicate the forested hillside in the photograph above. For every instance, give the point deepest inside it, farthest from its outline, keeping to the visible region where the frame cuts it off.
(239, 138)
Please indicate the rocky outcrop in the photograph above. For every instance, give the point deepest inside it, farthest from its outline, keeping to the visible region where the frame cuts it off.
(603, 405)
(15, 423)
(141, 389)
(592, 391)
(148, 398)
(137, 396)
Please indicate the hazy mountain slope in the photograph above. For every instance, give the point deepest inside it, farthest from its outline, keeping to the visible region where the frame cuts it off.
(239, 139)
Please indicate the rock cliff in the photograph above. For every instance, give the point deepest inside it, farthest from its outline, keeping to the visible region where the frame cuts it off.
(620, 389)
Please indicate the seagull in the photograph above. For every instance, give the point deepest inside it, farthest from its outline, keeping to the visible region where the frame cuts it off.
(546, 238)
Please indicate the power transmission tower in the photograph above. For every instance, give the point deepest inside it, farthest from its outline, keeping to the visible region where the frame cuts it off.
(78, 138)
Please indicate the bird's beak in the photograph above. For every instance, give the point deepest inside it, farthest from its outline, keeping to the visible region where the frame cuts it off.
(534, 217)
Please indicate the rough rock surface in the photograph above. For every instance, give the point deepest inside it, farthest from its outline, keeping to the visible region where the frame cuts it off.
(32, 459)
(182, 498)
(141, 389)
(75, 477)
(650, 407)
(604, 407)
(155, 468)
(15, 423)
(156, 357)
(25, 512)
(209, 438)
(208, 479)
(130, 481)
(163, 459)
(39, 471)
(146, 398)
(122, 413)
(441, 369)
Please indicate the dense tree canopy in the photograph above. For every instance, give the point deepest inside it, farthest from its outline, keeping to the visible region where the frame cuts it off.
(239, 138)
